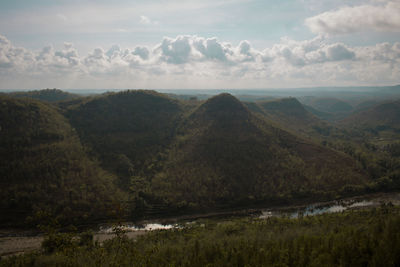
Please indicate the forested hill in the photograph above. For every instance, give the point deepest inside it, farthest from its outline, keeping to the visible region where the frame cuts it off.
(328, 104)
(227, 156)
(328, 108)
(166, 155)
(44, 171)
(290, 114)
(381, 116)
(127, 131)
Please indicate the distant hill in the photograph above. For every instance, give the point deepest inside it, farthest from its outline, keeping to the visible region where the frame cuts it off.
(331, 105)
(368, 104)
(290, 114)
(344, 93)
(289, 107)
(44, 172)
(255, 98)
(382, 116)
(48, 95)
(338, 109)
(225, 155)
(320, 114)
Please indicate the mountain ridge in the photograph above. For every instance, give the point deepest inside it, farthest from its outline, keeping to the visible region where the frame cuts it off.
(171, 155)
(248, 158)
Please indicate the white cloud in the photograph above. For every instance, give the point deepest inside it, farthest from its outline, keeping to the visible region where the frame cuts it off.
(62, 17)
(333, 52)
(212, 49)
(69, 56)
(246, 51)
(56, 62)
(189, 61)
(12, 57)
(370, 17)
(144, 20)
(383, 53)
(142, 52)
(338, 51)
(308, 52)
(176, 51)
(192, 49)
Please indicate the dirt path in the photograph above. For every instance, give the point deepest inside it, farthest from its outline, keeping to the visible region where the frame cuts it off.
(13, 245)
(17, 245)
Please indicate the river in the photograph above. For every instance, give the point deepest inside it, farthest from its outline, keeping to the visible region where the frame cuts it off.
(12, 242)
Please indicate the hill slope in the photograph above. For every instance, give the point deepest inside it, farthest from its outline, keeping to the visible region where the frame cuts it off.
(330, 104)
(328, 108)
(385, 115)
(127, 131)
(227, 156)
(379, 125)
(44, 172)
(290, 114)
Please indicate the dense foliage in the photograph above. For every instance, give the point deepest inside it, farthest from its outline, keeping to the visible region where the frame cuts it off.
(371, 137)
(380, 117)
(146, 154)
(352, 238)
(226, 156)
(126, 131)
(44, 170)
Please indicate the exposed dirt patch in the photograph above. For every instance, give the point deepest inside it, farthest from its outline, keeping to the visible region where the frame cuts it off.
(14, 245)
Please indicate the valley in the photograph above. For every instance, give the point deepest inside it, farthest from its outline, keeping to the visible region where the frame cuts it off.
(140, 157)
(140, 154)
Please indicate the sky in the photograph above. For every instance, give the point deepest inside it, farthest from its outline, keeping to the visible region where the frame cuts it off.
(191, 44)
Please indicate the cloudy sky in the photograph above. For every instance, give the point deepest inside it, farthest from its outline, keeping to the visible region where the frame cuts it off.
(198, 44)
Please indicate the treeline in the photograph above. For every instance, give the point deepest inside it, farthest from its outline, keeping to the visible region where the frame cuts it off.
(352, 238)
(47, 95)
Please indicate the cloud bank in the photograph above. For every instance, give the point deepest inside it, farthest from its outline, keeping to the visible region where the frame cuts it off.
(189, 61)
(378, 18)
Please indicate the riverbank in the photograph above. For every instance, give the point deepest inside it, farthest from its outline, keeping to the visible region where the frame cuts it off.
(14, 242)
(360, 237)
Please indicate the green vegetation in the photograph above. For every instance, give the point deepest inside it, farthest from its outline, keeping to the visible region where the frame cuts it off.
(371, 137)
(320, 114)
(329, 104)
(382, 121)
(136, 154)
(144, 154)
(126, 131)
(290, 114)
(328, 108)
(225, 156)
(352, 238)
(44, 171)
